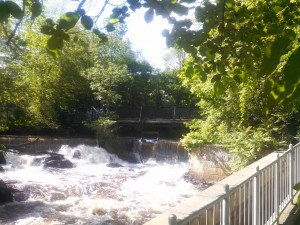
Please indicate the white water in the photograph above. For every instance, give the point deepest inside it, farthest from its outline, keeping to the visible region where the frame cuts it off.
(92, 192)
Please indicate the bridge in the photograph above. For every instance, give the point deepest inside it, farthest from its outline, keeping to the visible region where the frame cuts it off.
(156, 119)
(260, 194)
(157, 115)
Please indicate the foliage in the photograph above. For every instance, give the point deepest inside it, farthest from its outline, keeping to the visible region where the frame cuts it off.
(105, 129)
(297, 188)
(239, 59)
(227, 39)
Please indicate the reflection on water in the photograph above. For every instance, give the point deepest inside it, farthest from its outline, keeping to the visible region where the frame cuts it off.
(101, 189)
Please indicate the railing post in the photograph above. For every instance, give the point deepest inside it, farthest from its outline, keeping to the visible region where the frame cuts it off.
(225, 206)
(256, 198)
(292, 171)
(174, 112)
(141, 114)
(172, 219)
(277, 190)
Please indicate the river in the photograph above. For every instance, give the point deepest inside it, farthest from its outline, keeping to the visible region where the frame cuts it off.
(92, 192)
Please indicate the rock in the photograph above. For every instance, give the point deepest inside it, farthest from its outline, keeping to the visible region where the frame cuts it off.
(2, 159)
(58, 161)
(1, 169)
(132, 157)
(57, 197)
(61, 163)
(77, 154)
(114, 165)
(99, 211)
(6, 193)
(21, 196)
(113, 222)
(38, 161)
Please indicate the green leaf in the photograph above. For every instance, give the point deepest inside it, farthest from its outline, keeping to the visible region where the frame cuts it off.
(55, 42)
(297, 187)
(149, 15)
(15, 10)
(273, 54)
(68, 20)
(110, 28)
(181, 10)
(81, 12)
(298, 200)
(285, 88)
(216, 78)
(257, 52)
(36, 9)
(4, 12)
(113, 20)
(102, 36)
(49, 22)
(54, 52)
(47, 30)
(219, 89)
(87, 22)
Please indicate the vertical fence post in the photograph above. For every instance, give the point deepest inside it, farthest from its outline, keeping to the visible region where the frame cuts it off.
(172, 219)
(256, 198)
(174, 112)
(292, 171)
(277, 190)
(225, 206)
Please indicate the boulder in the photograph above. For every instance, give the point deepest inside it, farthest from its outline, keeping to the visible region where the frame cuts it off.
(2, 159)
(58, 161)
(77, 154)
(6, 193)
(114, 165)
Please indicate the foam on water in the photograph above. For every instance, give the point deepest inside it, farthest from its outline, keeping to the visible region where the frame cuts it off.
(92, 192)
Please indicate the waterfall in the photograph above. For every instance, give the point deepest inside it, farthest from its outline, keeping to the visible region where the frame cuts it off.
(161, 150)
(93, 192)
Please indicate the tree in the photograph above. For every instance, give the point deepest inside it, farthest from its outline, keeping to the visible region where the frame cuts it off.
(174, 59)
(240, 56)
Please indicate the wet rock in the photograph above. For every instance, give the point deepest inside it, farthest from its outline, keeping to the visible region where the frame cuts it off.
(77, 154)
(57, 197)
(2, 159)
(2, 169)
(58, 161)
(21, 196)
(38, 161)
(132, 157)
(99, 211)
(61, 163)
(113, 222)
(114, 165)
(6, 193)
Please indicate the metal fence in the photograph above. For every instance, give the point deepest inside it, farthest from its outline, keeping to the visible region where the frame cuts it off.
(259, 199)
(159, 112)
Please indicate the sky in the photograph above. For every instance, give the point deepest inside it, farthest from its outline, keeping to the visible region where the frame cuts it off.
(148, 38)
(145, 38)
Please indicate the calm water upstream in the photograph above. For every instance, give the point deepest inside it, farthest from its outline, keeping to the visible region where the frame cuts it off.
(92, 192)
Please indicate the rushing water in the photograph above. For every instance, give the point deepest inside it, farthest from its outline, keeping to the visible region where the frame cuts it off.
(92, 192)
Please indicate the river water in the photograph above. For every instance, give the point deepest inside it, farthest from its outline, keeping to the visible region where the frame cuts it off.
(92, 192)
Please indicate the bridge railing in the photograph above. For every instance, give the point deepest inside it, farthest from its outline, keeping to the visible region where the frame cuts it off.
(255, 195)
(159, 112)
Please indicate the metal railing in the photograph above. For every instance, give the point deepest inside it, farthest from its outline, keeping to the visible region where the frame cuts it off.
(162, 112)
(257, 199)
